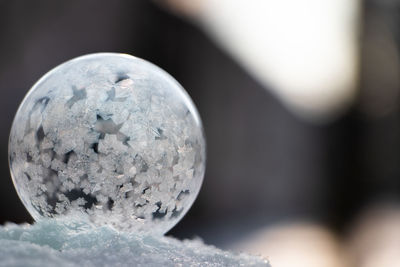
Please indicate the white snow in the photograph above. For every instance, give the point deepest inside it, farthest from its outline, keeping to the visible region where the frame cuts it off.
(59, 243)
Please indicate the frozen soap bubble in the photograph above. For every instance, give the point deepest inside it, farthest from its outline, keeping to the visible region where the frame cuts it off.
(111, 139)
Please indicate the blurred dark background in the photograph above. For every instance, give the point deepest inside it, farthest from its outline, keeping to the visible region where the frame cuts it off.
(265, 164)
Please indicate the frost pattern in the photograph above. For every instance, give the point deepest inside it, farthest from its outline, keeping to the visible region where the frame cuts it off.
(109, 138)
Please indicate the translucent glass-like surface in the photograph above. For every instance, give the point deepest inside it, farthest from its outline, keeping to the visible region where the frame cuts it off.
(108, 138)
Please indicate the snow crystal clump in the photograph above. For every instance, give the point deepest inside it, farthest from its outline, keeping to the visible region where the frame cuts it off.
(58, 243)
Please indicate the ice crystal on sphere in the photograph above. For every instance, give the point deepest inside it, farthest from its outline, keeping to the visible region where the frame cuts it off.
(111, 139)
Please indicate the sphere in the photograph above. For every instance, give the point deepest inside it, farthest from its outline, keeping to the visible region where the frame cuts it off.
(110, 139)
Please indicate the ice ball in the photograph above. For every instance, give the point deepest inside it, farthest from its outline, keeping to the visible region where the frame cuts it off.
(110, 139)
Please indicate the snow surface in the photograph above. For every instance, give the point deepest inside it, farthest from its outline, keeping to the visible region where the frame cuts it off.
(59, 243)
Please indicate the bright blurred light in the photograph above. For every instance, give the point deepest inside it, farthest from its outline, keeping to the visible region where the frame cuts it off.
(299, 245)
(375, 239)
(305, 51)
